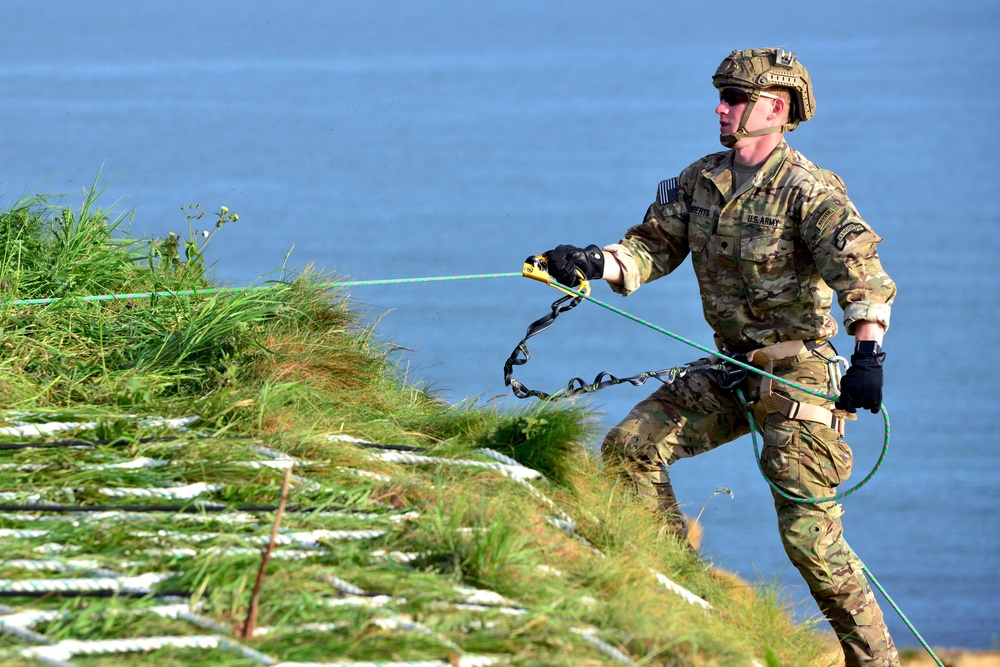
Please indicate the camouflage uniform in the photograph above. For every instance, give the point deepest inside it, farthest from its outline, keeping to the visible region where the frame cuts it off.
(768, 259)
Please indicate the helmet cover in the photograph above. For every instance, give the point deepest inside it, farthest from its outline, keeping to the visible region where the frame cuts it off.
(757, 69)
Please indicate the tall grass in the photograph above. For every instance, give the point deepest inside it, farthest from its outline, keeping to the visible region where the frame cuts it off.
(284, 367)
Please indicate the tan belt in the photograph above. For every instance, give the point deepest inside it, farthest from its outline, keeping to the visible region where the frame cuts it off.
(771, 403)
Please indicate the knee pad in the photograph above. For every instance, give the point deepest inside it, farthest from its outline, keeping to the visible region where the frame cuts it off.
(631, 442)
(812, 542)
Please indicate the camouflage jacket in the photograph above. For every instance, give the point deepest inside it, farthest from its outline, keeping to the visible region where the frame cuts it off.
(768, 257)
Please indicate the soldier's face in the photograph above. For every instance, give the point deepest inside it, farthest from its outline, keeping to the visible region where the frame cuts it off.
(732, 105)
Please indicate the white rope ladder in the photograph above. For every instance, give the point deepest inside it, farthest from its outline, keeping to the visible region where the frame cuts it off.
(82, 575)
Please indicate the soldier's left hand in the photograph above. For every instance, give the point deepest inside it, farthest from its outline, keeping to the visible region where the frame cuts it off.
(861, 386)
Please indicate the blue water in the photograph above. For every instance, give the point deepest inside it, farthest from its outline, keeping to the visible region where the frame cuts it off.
(399, 139)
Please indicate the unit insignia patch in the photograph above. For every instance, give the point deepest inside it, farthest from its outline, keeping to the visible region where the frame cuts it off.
(842, 235)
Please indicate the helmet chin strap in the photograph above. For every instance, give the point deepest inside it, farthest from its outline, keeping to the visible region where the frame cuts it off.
(730, 140)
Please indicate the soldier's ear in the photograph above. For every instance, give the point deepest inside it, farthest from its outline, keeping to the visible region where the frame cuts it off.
(778, 108)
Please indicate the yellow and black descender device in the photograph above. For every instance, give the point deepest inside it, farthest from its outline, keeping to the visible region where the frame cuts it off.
(536, 267)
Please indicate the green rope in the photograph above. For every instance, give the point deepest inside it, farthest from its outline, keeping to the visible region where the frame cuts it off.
(899, 611)
(477, 276)
(433, 279)
(224, 290)
(755, 429)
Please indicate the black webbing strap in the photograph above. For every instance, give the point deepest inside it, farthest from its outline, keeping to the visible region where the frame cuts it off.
(605, 379)
(577, 386)
(520, 355)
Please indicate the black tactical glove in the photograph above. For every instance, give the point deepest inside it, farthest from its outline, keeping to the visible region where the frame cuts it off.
(861, 386)
(565, 260)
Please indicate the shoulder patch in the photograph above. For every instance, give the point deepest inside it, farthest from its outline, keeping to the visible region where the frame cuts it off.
(846, 232)
(666, 192)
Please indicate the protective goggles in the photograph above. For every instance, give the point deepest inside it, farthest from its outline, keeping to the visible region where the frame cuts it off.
(735, 96)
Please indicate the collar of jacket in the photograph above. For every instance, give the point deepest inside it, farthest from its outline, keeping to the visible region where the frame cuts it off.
(722, 173)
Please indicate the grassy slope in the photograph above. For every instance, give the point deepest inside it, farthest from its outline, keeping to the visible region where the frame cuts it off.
(275, 372)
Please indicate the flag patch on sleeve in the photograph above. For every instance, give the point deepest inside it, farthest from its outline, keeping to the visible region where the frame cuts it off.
(666, 192)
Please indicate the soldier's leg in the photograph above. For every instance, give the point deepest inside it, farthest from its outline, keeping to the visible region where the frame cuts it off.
(682, 418)
(806, 459)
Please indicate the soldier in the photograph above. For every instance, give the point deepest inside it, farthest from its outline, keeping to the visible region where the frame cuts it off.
(772, 236)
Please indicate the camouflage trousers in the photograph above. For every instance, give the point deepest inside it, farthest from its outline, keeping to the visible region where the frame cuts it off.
(693, 415)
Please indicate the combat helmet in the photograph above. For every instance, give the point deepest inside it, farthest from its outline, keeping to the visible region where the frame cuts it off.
(753, 70)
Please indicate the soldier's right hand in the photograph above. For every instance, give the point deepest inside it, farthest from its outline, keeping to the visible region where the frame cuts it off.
(565, 260)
